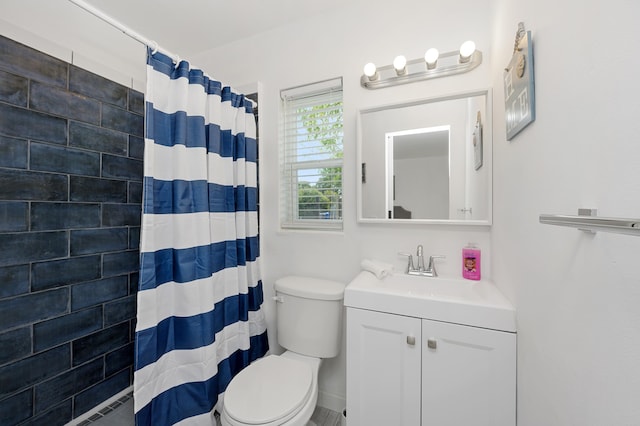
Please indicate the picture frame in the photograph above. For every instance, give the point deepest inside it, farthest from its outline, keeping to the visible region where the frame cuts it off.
(477, 142)
(519, 86)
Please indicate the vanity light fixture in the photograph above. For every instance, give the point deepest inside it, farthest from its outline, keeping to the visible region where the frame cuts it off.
(371, 72)
(400, 65)
(466, 50)
(431, 58)
(433, 65)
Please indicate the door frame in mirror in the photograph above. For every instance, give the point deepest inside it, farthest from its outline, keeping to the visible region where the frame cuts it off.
(487, 160)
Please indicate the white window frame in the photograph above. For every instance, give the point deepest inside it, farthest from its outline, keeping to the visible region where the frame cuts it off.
(289, 167)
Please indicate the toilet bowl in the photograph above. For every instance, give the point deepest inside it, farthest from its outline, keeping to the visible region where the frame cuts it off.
(277, 390)
(282, 390)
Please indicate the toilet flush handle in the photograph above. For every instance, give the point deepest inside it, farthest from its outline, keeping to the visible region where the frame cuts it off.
(278, 299)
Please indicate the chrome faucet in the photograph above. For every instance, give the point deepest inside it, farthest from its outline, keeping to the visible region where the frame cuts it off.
(429, 271)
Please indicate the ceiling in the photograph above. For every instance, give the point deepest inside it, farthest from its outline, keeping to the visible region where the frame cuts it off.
(187, 27)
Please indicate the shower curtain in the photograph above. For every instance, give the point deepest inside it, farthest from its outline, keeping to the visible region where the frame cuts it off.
(200, 319)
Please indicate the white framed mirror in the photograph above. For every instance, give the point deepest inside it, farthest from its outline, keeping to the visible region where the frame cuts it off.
(427, 161)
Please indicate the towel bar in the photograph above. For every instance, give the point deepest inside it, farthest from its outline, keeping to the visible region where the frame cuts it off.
(594, 223)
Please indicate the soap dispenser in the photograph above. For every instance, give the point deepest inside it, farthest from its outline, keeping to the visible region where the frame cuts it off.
(471, 262)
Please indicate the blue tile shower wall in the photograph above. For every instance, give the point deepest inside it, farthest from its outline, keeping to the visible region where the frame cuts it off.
(71, 145)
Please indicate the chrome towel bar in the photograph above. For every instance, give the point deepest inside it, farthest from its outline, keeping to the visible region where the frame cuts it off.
(594, 223)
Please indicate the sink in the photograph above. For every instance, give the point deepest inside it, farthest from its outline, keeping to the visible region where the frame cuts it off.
(458, 301)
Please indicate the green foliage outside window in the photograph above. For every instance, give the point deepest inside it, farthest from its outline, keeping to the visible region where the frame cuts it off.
(323, 198)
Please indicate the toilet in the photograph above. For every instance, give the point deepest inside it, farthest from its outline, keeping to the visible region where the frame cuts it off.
(283, 389)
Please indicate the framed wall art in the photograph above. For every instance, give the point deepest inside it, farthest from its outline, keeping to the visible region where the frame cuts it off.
(477, 142)
(519, 88)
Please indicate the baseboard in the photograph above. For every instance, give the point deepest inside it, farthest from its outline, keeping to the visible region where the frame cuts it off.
(99, 407)
(332, 402)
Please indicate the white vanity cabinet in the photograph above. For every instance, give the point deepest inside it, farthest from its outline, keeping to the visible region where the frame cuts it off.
(383, 369)
(408, 371)
(468, 375)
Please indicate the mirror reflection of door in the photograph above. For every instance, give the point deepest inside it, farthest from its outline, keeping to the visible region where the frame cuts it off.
(417, 173)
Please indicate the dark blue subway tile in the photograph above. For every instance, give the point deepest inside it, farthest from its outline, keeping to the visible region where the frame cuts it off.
(33, 246)
(122, 120)
(97, 138)
(13, 153)
(97, 344)
(50, 158)
(48, 334)
(23, 123)
(121, 168)
(97, 87)
(16, 408)
(35, 369)
(136, 147)
(56, 273)
(46, 216)
(134, 279)
(132, 329)
(118, 360)
(135, 193)
(15, 344)
(28, 62)
(59, 415)
(97, 190)
(57, 101)
(134, 238)
(13, 216)
(121, 214)
(119, 310)
(24, 185)
(88, 399)
(13, 89)
(89, 241)
(120, 263)
(23, 310)
(136, 101)
(67, 384)
(97, 292)
(14, 280)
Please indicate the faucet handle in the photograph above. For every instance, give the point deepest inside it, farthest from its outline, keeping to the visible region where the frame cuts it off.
(432, 266)
(410, 260)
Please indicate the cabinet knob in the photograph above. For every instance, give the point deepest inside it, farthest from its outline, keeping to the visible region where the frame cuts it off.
(411, 340)
(432, 343)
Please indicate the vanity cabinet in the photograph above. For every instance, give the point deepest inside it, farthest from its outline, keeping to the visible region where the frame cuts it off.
(409, 371)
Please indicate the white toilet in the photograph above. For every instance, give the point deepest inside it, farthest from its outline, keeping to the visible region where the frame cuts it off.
(283, 389)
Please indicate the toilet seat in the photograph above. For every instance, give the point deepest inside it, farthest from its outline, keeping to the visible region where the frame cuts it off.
(269, 391)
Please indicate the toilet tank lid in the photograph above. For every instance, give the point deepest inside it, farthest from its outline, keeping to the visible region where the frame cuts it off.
(310, 288)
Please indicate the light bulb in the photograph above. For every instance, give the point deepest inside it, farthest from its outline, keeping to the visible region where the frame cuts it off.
(400, 64)
(431, 57)
(466, 50)
(371, 71)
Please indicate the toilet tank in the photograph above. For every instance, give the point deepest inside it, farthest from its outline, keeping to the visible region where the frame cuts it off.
(309, 315)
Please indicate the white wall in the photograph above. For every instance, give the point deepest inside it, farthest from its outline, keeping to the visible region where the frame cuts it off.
(340, 44)
(577, 295)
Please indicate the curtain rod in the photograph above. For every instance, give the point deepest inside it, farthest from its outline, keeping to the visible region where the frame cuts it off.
(134, 35)
(128, 31)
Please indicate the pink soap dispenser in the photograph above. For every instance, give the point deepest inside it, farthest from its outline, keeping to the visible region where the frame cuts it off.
(471, 258)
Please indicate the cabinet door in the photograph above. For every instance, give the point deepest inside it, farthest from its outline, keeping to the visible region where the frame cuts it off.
(468, 376)
(383, 369)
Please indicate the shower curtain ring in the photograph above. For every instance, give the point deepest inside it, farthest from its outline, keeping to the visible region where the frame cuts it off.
(154, 47)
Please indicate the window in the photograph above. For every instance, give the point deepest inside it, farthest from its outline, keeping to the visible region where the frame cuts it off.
(311, 156)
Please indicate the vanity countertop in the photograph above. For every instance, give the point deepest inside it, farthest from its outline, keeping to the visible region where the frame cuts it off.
(458, 301)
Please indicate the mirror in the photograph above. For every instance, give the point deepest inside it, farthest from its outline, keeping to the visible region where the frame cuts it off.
(426, 161)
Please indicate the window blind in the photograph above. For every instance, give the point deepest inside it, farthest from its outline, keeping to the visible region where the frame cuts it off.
(311, 156)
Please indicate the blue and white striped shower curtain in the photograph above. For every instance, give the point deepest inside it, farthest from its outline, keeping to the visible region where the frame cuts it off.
(200, 319)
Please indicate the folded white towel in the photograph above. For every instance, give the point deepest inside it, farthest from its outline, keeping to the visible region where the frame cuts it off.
(377, 268)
